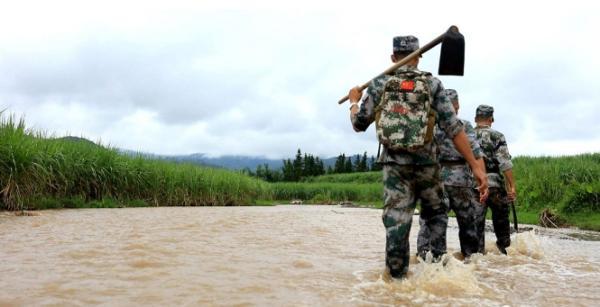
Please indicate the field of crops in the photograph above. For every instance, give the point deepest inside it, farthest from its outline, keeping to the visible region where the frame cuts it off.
(568, 187)
(38, 172)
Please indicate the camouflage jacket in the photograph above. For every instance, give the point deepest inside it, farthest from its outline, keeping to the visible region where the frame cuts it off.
(453, 172)
(496, 155)
(446, 119)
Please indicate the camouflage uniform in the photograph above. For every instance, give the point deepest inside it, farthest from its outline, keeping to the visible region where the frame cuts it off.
(458, 184)
(497, 160)
(410, 177)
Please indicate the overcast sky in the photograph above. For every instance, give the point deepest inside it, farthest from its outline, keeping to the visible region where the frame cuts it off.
(263, 79)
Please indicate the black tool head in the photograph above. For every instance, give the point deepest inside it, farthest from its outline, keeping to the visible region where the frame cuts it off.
(452, 55)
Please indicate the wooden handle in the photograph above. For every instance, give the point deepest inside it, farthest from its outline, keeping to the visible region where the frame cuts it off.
(362, 88)
(405, 60)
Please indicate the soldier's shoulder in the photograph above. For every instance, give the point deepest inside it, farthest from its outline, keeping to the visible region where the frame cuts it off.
(434, 82)
(496, 133)
(466, 122)
(380, 80)
(377, 84)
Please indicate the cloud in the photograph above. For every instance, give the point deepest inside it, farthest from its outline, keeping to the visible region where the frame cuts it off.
(263, 78)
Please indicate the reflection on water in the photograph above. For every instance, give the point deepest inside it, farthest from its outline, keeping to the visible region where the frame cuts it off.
(285, 255)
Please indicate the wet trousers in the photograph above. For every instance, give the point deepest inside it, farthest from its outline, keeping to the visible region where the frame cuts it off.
(404, 185)
(467, 210)
(498, 203)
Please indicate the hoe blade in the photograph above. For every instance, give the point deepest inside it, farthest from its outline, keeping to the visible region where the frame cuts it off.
(452, 55)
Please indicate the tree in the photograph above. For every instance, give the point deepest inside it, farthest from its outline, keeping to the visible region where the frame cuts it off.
(297, 166)
(287, 170)
(320, 168)
(248, 171)
(362, 165)
(374, 165)
(348, 165)
(340, 164)
(356, 167)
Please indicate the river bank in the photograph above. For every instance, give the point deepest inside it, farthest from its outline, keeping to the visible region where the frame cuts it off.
(40, 172)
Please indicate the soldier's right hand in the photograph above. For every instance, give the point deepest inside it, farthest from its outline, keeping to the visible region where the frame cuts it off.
(355, 94)
(512, 194)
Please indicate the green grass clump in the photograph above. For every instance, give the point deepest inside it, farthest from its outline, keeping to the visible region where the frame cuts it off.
(367, 177)
(548, 181)
(39, 172)
(582, 198)
(326, 192)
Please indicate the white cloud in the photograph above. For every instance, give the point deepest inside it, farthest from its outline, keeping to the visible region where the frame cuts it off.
(263, 77)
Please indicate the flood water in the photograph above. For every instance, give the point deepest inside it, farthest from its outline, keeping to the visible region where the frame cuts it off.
(272, 256)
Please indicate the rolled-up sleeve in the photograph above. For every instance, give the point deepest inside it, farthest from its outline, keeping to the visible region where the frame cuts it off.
(365, 116)
(502, 155)
(445, 112)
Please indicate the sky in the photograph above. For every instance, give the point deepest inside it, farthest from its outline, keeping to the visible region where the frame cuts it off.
(262, 78)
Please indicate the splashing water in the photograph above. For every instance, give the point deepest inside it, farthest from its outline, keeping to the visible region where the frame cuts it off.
(527, 244)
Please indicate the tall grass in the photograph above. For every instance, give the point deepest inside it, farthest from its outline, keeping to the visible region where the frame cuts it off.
(368, 177)
(327, 192)
(35, 169)
(569, 184)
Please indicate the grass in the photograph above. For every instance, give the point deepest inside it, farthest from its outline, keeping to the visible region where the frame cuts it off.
(569, 186)
(327, 192)
(37, 172)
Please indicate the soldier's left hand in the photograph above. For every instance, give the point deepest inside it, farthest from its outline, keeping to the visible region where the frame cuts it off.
(481, 177)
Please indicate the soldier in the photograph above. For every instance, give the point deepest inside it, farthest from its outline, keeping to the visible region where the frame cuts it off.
(458, 183)
(497, 160)
(401, 104)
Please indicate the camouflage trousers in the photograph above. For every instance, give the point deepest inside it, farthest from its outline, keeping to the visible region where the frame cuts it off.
(498, 202)
(467, 210)
(404, 185)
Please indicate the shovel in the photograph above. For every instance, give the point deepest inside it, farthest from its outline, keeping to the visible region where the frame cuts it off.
(514, 214)
(452, 56)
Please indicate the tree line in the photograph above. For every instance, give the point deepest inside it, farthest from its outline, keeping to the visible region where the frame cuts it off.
(307, 165)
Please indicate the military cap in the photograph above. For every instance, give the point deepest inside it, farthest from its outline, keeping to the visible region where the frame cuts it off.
(405, 44)
(452, 95)
(484, 111)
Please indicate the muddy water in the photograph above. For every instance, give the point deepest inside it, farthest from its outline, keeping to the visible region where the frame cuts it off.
(271, 256)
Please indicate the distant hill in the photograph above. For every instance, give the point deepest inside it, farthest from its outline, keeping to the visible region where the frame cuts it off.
(240, 162)
(77, 139)
(229, 162)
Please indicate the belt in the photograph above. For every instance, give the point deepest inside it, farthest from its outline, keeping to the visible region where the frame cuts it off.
(492, 170)
(452, 162)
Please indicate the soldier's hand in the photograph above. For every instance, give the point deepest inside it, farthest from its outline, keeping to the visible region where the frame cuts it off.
(512, 194)
(481, 177)
(355, 94)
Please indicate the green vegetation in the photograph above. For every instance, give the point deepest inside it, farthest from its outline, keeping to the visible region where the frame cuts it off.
(569, 186)
(328, 192)
(356, 178)
(309, 166)
(38, 172)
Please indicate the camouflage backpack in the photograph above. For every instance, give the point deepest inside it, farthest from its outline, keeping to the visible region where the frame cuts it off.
(404, 118)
